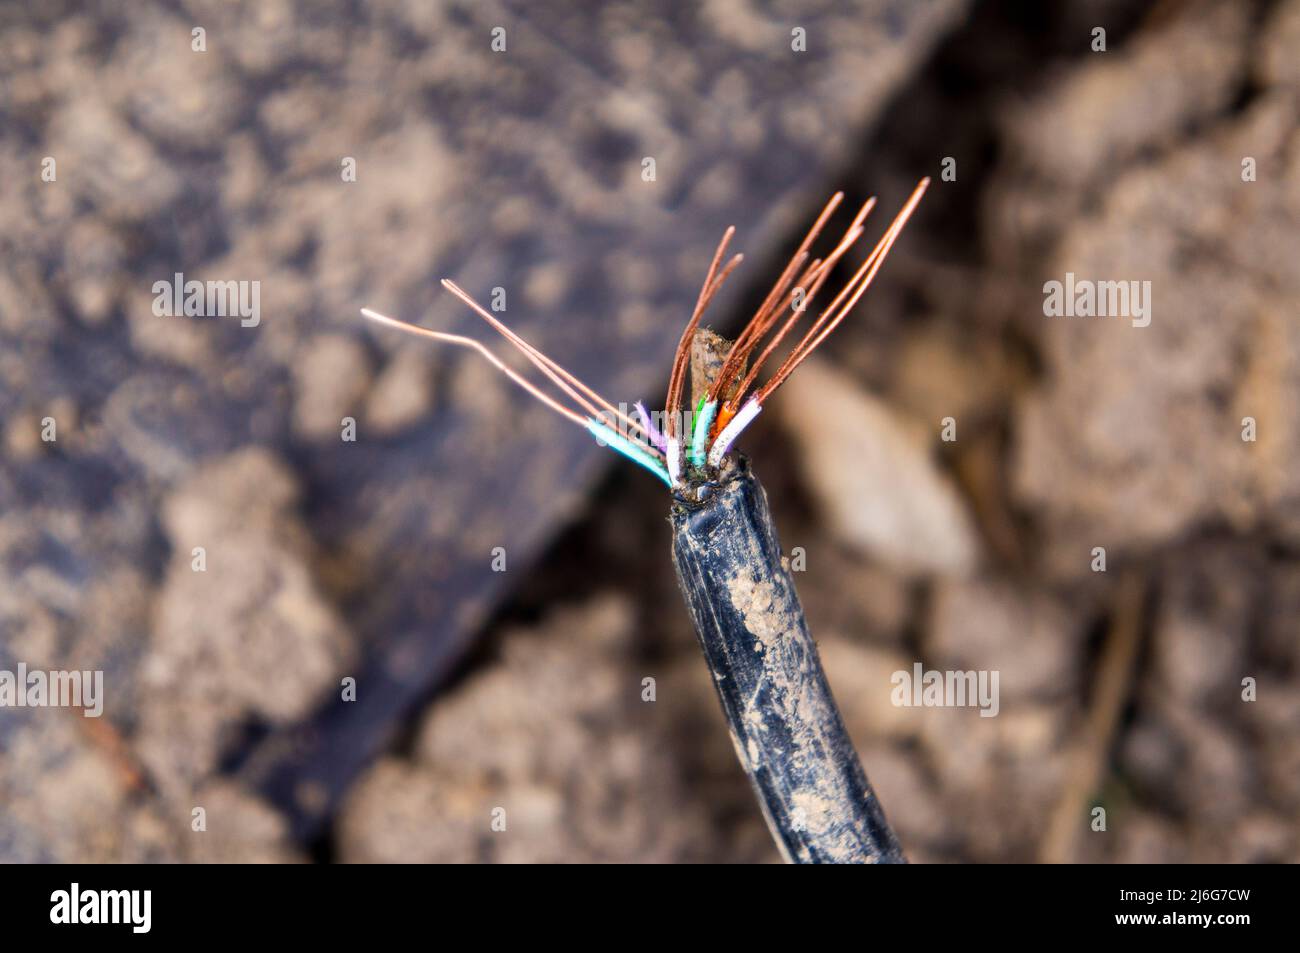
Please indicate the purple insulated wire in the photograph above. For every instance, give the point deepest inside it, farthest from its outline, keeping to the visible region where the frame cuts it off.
(656, 437)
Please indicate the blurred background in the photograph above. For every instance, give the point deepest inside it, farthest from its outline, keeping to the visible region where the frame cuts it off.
(344, 676)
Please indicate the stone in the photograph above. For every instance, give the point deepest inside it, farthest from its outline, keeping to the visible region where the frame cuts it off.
(873, 478)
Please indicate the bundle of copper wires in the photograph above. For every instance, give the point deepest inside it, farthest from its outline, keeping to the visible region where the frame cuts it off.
(691, 445)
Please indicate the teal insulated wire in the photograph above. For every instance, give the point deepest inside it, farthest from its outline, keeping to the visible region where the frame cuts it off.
(703, 421)
(629, 449)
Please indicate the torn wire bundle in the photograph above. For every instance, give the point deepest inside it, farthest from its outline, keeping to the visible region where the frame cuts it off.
(788, 732)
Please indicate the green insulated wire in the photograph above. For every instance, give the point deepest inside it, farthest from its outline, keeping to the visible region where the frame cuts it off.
(703, 420)
(629, 449)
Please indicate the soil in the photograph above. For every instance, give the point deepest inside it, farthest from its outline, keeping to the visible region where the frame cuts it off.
(949, 476)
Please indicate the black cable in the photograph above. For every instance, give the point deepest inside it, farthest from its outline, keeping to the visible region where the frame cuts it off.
(785, 724)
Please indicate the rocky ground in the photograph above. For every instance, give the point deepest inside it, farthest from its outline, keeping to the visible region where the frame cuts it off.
(1121, 689)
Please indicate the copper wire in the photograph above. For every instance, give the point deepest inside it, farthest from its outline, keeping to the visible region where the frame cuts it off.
(478, 346)
(558, 375)
(748, 338)
(677, 378)
(862, 280)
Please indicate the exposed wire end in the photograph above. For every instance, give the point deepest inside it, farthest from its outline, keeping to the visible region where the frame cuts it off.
(753, 330)
(496, 362)
(712, 416)
(858, 285)
(635, 452)
(732, 430)
(728, 418)
(702, 421)
(809, 283)
(751, 334)
(656, 437)
(677, 379)
(818, 277)
(557, 374)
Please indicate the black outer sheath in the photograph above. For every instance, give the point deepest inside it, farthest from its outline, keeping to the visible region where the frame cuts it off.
(786, 726)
